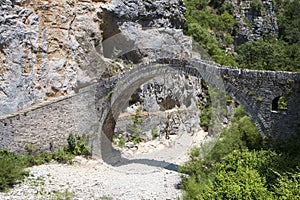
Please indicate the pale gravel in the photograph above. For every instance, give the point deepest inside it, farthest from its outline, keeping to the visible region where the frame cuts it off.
(93, 179)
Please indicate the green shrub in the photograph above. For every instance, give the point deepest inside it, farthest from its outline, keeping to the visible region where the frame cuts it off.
(282, 103)
(288, 186)
(121, 142)
(12, 170)
(12, 166)
(71, 143)
(138, 118)
(37, 158)
(63, 156)
(244, 183)
(135, 134)
(256, 5)
(76, 146)
(65, 195)
(205, 118)
(238, 168)
(106, 198)
(154, 133)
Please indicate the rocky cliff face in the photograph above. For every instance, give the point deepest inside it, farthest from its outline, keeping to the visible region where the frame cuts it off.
(167, 105)
(255, 18)
(51, 48)
(45, 49)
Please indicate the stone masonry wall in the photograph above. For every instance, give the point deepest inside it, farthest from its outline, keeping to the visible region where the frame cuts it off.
(47, 126)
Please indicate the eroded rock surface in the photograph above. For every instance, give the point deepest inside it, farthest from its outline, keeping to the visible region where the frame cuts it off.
(45, 49)
(255, 19)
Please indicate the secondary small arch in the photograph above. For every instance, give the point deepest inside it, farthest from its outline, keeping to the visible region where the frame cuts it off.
(279, 103)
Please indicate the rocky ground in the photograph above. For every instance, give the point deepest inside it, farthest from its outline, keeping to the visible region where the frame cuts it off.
(146, 172)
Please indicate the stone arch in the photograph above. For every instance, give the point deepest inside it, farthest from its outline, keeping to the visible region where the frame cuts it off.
(279, 103)
(128, 82)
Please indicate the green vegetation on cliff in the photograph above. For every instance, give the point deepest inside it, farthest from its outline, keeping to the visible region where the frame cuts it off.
(213, 26)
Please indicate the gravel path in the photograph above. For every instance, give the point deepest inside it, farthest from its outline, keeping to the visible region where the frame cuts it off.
(148, 172)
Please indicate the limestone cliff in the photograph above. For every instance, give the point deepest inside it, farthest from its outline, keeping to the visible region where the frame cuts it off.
(45, 49)
(255, 18)
(51, 48)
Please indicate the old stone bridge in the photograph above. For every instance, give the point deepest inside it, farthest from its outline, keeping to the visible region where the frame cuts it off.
(94, 110)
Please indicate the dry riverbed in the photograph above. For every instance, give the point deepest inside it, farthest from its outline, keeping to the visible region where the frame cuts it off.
(146, 172)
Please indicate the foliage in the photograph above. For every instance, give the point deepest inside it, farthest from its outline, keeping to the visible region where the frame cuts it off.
(121, 142)
(106, 198)
(63, 156)
(12, 166)
(66, 195)
(76, 145)
(288, 186)
(154, 133)
(281, 53)
(135, 133)
(237, 167)
(282, 103)
(242, 134)
(11, 169)
(269, 55)
(211, 30)
(288, 20)
(135, 129)
(137, 118)
(205, 118)
(256, 5)
(212, 25)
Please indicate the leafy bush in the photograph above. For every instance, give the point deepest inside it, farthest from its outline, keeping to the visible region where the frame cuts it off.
(11, 169)
(212, 30)
(76, 146)
(238, 168)
(135, 133)
(256, 5)
(282, 103)
(63, 156)
(12, 166)
(288, 186)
